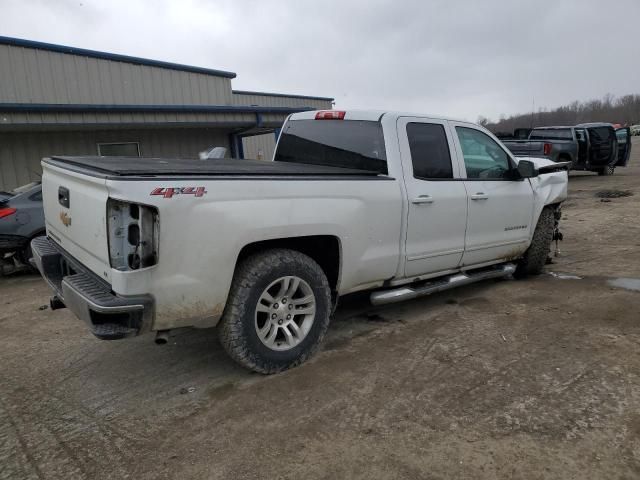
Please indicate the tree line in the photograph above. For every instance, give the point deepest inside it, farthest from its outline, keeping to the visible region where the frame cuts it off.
(624, 110)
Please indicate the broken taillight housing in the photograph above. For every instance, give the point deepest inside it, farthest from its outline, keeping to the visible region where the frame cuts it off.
(133, 235)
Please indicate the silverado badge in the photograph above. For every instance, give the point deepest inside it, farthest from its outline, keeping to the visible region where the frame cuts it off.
(65, 219)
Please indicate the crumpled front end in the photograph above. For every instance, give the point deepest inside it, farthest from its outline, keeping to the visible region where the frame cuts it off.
(550, 187)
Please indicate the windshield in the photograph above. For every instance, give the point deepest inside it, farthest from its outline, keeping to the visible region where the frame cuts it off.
(336, 143)
(551, 134)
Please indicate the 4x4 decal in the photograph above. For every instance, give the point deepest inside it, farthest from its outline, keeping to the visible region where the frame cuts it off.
(168, 192)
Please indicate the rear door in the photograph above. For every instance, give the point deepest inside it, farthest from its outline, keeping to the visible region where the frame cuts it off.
(624, 146)
(500, 209)
(437, 206)
(75, 209)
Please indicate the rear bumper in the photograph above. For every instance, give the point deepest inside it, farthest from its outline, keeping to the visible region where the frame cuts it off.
(109, 316)
(12, 243)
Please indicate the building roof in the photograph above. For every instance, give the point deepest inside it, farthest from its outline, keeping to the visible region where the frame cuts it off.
(286, 95)
(19, 42)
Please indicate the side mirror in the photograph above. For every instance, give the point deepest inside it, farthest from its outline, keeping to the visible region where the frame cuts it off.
(527, 169)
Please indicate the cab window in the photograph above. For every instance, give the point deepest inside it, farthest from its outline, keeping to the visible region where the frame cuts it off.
(483, 157)
(429, 151)
(621, 134)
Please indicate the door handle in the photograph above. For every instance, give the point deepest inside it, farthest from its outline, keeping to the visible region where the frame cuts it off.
(422, 199)
(479, 196)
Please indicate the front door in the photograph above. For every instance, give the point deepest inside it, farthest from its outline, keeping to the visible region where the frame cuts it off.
(500, 209)
(437, 206)
(624, 146)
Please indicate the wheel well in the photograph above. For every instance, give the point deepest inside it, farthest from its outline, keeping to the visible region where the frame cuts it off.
(324, 249)
(564, 156)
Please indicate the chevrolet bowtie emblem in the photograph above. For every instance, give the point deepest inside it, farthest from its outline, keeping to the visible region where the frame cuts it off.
(65, 219)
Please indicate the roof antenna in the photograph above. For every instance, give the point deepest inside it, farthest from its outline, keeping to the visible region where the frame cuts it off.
(533, 108)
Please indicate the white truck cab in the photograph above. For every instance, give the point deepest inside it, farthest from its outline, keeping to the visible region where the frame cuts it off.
(397, 203)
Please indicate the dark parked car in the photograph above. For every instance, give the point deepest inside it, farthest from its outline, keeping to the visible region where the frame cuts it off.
(21, 220)
(555, 143)
(596, 147)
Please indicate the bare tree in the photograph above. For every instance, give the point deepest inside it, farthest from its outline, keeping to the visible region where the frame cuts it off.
(624, 110)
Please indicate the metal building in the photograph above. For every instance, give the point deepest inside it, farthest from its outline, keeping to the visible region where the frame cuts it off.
(57, 100)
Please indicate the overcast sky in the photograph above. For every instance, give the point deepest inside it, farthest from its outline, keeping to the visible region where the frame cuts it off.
(456, 58)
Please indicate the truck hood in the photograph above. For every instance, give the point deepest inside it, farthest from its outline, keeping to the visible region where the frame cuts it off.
(551, 185)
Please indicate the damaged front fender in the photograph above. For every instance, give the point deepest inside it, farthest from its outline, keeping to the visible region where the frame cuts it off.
(550, 186)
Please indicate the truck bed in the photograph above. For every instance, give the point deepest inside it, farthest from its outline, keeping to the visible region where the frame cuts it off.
(119, 167)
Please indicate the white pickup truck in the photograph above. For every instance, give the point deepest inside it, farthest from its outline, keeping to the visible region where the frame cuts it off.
(399, 204)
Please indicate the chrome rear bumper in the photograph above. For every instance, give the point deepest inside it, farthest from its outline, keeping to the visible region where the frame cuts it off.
(109, 316)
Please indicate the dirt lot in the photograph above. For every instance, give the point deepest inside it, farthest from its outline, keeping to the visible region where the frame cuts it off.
(511, 379)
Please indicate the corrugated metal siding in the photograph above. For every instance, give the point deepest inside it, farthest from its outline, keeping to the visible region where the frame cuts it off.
(21, 152)
(30, 75)
(280, 101)
(265, 144)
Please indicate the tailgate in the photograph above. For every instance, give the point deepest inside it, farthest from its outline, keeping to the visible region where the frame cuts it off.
(75, 207)
(525, 148)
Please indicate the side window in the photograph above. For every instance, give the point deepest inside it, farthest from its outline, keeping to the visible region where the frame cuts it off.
(622, 136)
(483, 157)
(124, 149)
(429, 151)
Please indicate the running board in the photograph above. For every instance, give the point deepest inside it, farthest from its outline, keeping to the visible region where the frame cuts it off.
(444, 283)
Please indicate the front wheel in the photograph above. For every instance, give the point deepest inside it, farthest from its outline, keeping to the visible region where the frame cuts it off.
(606, 171)
(535, 258)
(277, 312)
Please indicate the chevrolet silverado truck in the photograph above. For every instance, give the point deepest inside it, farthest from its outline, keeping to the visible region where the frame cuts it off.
(401, 205)
(595, 147)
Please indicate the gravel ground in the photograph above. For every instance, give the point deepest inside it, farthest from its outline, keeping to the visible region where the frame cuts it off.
(511, 379)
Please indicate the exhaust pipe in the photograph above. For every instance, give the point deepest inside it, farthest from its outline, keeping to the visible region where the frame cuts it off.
(162, 337)
(55, 303)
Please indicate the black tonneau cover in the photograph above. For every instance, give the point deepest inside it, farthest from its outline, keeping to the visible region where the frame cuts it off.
(153, 167)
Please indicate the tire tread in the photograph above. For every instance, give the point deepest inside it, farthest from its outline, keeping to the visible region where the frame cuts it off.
(246, 276)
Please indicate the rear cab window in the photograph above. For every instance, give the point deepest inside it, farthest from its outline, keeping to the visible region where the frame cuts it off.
(355, 144)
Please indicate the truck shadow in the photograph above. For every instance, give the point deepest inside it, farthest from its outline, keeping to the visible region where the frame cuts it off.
(193, 369)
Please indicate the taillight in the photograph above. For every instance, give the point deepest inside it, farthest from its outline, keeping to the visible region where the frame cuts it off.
(330, 115)
(133, 235)
(5, 212)
(547, 149)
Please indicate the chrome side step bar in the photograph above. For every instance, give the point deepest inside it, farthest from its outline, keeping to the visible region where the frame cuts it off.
(401, 294)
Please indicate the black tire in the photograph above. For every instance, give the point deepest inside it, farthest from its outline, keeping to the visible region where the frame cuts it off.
(26, 254)
(606, 171)
(535, 258)
(237, 329)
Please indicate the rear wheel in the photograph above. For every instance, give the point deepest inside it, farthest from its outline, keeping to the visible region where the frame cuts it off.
(277, 312)
(535, 258)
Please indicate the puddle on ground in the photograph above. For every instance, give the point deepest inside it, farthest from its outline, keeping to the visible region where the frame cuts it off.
(627, 283)
(565, 276)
